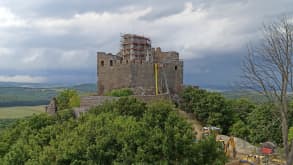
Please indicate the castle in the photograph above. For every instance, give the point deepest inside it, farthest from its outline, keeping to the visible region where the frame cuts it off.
(138, 66)
(149, 72)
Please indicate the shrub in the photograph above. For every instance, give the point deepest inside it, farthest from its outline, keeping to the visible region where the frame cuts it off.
(120, 92)
(67, 99)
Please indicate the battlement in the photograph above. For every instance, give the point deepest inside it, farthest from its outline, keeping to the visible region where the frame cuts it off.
(157, 57)
(107, 59)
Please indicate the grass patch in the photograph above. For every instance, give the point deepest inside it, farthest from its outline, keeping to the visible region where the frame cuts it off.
(20, 112)
(120, 92)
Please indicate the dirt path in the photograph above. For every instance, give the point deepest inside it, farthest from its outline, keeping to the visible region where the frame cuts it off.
(197, 127)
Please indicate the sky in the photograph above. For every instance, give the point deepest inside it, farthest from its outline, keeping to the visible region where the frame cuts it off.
(55, 41)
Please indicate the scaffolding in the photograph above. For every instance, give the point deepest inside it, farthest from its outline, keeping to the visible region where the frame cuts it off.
(135, 47)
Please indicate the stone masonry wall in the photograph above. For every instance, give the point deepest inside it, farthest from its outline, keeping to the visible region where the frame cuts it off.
(51, 108)
(86, 102)
(112, 77)
(142, 76)
(89, 101)
(123, 74)
(115, 73)
(174, 76)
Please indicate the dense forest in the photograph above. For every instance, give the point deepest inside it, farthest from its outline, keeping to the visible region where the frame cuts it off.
(128, 131)
(123, 132)
(255, 122)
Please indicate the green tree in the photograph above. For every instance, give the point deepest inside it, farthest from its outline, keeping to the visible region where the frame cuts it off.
(263, 125)
(241, 109)
(268, 69)
(130, 106)
(108, 134)
(210, 108)
(68, 98)
(240, 129)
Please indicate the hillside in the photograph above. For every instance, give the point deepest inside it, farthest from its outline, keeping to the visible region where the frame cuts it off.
(32, 94)
(123, 132)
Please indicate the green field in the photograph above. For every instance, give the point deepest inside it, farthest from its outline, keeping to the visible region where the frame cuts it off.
(20, 112)
(9, 115)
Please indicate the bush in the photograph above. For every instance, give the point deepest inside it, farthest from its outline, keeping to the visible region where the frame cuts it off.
(120, 92)
(210, 108)
(68, 98)
(4, 123)
(263, 125)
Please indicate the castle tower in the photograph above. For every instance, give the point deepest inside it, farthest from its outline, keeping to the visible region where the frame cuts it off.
(138, 66)
(135, 47)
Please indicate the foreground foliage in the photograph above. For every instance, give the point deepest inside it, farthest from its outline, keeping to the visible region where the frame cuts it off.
(120, 92)
(68, 98)
(123, 132)
(4, 123)
(210, 108)
(254, 122)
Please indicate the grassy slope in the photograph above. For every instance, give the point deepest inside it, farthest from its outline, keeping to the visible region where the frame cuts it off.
(20, 112)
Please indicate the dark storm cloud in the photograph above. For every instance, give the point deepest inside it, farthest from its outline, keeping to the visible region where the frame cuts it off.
(214, 70)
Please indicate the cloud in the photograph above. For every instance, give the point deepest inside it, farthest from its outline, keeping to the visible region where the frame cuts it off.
(4, 52)
(190, 31)
(51, 36)
(48, 59)
(9, 19)
(23, 79)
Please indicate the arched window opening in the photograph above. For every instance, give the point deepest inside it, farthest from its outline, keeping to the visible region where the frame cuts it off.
(176, 67)
(102, 63)
(111, 63)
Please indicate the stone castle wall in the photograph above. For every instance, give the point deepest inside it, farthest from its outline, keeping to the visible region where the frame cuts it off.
(134, 67)
(51, 108)
(124, 74)
(174, 76)
(87, 102)
(92, 101)
(115, 73)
